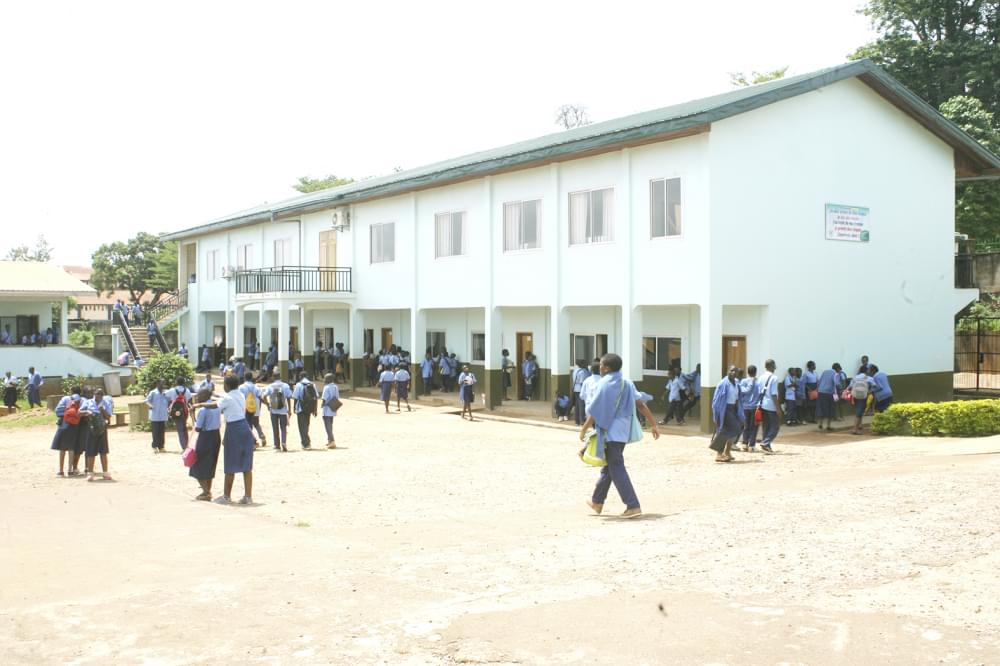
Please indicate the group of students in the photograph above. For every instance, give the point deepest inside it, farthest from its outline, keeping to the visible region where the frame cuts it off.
(135, 310)
(82, 420)
(334, 361)
(36, 338)
(12, 387)
(743, 403)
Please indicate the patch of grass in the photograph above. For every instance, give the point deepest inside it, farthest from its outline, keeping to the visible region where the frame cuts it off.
(302, 523)
(28, 419)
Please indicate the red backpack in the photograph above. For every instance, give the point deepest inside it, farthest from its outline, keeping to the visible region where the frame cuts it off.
(72, 413)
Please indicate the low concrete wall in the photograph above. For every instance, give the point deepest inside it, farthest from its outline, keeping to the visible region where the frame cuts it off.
(54, 361)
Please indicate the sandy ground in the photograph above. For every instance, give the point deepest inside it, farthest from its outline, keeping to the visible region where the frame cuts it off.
(426, 539)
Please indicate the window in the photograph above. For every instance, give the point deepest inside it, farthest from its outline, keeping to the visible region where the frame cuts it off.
(282, 252)
(661, 354)
(212, 268)
(520, 225)
(478, 346)
(449, 234)
(219, 335)
(592, 216)
(665, 207)
(588, 347)
(383, 242)
(244, 257)
(325, 336)
(369, 343)
(435, 342)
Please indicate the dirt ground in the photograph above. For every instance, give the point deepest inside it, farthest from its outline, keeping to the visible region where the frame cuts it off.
(426, 539)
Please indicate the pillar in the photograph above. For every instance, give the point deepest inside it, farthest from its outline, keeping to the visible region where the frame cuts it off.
(631, 344)
(283, 340)
(355, 347)
(494, 374)
(710, 336)
(560, 354)
(307, 339)
(239, 349)
(63, 322)
(418, 348)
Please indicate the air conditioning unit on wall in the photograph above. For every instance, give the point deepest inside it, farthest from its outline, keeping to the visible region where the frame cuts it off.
(341, 219)
(228, 272)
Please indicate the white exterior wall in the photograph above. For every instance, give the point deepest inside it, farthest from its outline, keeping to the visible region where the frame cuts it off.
(41, 309)
(675, 321)
(458, 326)
(773, 171)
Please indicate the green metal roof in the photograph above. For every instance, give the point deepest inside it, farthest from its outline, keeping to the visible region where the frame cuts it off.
(980, 162)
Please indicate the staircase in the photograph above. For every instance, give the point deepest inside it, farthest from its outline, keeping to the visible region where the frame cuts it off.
(141, 339)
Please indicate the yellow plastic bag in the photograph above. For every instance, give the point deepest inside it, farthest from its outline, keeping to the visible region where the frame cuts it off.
(588, 454)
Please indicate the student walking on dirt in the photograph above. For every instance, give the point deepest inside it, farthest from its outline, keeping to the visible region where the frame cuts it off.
(769, 405)
(749, 399)
(402, 379)
(386, 380)
(466, 380)
(727, 415)
(158, 404)
(611, 411)
(331, 403)
(237, 443)
(179, 399)
(277, 396)
(306, 403)
(207, 422)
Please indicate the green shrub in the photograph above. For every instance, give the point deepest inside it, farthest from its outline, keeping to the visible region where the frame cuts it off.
(70, 381)
(167, 367)
(960, 418)
(82, 337)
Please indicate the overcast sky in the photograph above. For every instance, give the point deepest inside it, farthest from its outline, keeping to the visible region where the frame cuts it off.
(119, 117)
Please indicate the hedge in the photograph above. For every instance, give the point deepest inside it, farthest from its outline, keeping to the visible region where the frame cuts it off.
(960, 418)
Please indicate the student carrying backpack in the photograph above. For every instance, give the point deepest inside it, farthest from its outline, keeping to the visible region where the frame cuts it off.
(859, 388)
(276, 400)
(179, 407)
(309, 398)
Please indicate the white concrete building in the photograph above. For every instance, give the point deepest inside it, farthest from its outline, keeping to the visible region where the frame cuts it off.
(809, 218)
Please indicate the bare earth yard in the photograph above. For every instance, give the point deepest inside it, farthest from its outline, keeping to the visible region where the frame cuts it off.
(427, 540)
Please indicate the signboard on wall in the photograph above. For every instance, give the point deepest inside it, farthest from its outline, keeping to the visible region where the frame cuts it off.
(847, 223)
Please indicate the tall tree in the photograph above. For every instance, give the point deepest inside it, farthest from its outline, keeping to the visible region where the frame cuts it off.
(307, 184)
(741, 80)
(129, 265)
(42, 251)
(569, 116)
(164, 276)
(948, 52)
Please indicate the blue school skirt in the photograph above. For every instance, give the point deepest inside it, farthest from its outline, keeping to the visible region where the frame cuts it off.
(730, 428)
(824, 406)
(386, 391)
(466, 394)
(403, 390)
(207, 447)
(237, 445)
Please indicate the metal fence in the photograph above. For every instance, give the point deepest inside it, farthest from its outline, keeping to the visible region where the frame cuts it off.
(977, 355)
(293, 279)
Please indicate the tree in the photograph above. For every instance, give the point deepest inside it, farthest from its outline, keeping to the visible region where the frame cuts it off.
(164, 277)
(42, 252)
(130, 266)
(740, 80)
(307, 184)
(569, 116)
(977, 203)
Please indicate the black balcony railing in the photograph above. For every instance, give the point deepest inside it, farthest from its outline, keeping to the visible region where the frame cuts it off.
(293, 279)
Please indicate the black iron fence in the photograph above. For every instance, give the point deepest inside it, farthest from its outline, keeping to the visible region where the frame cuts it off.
(977, 355)
(167, 306)
(293, 279)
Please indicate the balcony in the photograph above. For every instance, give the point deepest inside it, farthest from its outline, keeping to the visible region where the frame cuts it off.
(296, 279)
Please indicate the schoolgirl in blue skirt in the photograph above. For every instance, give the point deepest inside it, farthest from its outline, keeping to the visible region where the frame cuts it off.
(206, 423)
(237, 443)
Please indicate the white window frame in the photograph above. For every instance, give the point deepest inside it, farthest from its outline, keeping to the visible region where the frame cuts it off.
(244, 257)
(593, 335)
(680, 217)
(513, 238)
(286, 249)
(448, 217)
(658, 336)
(212, 269)
(589, 237)
(472, 347)
(380, 229)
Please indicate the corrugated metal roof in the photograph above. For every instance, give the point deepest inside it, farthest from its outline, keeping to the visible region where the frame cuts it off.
(30, 277)
(607, 134)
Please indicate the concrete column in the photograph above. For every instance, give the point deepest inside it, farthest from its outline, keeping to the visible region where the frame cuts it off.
(238, 318)
(494, 344)
(307, 338)
(355, 347)
(63, 322)
(559, 354)
(283, 340)
(710, 334)
(418, 347)
(631, 345)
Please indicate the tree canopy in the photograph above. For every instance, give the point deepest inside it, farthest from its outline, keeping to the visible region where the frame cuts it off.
(41, 252)
(307, 184)
(741, 80)
(569, 116)
(132, 265)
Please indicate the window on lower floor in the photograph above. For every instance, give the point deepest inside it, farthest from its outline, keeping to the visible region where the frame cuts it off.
(435, 342)
(520, 225)
(383, 242)
(218, 335)
(588, 347)
(661, 354)
(369, 341)
(478, 346)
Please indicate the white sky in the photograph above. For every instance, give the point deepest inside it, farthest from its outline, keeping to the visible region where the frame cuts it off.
(120, 117)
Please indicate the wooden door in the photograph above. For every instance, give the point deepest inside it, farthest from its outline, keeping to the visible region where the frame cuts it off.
(386, 338)
(524, 345)
(734, 352)
(328, 249)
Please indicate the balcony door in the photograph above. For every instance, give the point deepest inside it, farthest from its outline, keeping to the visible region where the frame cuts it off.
(328, 249)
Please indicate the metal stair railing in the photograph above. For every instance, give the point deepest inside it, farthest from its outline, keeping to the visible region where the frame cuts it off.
(119, 320)
(167, 306)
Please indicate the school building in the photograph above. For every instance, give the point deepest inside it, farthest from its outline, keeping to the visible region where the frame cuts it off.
(809, 218)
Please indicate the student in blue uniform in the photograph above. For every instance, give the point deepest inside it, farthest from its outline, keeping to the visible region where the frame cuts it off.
(69, 436)
(330, 393)
(240, 369)
(277, 396)
(881, 388)
(506, 369)
(58, 442)
(35, 382)
(674, 394)
(561, 407)
(750, 398)
(580, 374)
(252, 405)
(237, 443)
(427, 372)
(445, 369)
(179, 409)
(529, 370)
(306, 399)
(207, 421)
(769, 405)
(402, 379)
(158, 404)
(693, 383)
(386, 380)
(466, 394)
(861, 387)
(727, 415)
(791, 390)
(810, 381)
(826, 386)
(99, 410)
